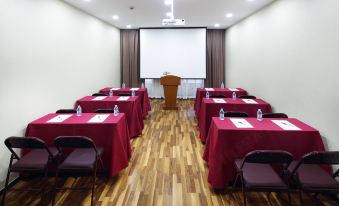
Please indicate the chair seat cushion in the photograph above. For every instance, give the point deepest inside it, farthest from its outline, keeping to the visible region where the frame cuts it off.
(260, 176)
(314, 177)
(35, 160)
(80, 159)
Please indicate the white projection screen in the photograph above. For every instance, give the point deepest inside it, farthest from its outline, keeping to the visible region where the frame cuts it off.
(181, 52)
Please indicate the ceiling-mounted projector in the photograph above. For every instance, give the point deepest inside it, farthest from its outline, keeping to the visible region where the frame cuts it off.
(173, 22)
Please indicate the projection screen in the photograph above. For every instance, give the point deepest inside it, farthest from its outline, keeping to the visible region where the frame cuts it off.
(180, 52)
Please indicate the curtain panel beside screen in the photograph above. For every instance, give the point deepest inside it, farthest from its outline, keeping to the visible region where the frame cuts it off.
(215, 73)
(130, 57)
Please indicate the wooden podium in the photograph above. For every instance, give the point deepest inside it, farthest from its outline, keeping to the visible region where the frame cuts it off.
(170, 84)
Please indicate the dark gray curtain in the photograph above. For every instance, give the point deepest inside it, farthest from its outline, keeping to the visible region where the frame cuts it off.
(215, 57)
(129, 57)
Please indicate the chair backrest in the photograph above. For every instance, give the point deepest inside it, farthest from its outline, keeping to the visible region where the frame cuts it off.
(217, 96)
(236, 114)
(269, 157)
(247, 97)
(62, 142)
(125, 94)
(104, 111)
(274, 115)
(25, 143)
(66, 111)
(99, 94)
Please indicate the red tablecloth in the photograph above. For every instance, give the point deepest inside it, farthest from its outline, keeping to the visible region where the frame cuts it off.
(130, 107)
(226, 143)
(201, 93)
(141, 92)
(112, 135)
(211, 109)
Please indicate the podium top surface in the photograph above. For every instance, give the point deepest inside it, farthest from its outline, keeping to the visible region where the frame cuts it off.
(170, 80)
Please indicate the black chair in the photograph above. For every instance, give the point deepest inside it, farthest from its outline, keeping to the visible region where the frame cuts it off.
(124, 94)
(35, 161)
(217, 96)
(99, 94)
(83, 159)
(247, 97)
(310, 176)
(236, 114)
(257, 174)
(274, 115)
(66, 111)
(104, 111)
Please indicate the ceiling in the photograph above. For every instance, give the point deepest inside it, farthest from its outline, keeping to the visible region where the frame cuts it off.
(149, 13)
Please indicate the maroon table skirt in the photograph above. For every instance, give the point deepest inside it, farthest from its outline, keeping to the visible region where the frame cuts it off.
(201, 93)
(130, 107)
(211, 109)
(226, 143)
(141, 92)
(112, 135)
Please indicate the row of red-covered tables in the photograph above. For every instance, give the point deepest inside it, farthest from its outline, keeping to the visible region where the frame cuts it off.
(113, 133)
(232, 138)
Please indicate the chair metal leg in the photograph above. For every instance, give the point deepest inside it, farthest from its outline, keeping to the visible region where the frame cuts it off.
(55, 188)
(301, 198)
(243, 190)
(93, 186)
(5, 189)
(289, 197)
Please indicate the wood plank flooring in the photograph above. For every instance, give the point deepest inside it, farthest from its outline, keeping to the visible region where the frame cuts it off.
(166, 169)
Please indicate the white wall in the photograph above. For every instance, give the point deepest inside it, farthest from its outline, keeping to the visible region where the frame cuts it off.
(51, 54)
(288, 54)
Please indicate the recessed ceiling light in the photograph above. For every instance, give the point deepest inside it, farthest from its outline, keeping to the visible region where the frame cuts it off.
(217, 25)
(129, 26)
(115, 17)
(229, 15)
(168, 2)
(87, 0)
(250, 0)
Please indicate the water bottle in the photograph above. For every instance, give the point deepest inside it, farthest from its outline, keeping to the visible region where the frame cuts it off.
(123, 85)
(259, 115)
(222, 114)
(207, 95)
(116, 110)
(142, 85)
(234, 96)
(222, 85)
(133, 93)
(110, 94)
(79, 110)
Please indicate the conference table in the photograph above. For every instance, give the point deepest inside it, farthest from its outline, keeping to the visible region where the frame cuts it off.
(233, 138)
(227, 92)
(211, 108)
(129, 105)
(140, 92)
(107, 131)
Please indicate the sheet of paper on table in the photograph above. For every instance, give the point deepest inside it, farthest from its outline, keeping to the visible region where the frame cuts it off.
(233, 89)
(114, 89)
(59, 118)
(99, 98)
(241, 123)
(285, 125)
(249, 101)
(218, 100)
(209, 89)
(135, 89)
(123, 98)
(98, 118)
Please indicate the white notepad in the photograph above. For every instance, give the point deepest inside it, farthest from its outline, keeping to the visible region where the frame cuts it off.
(123, 98)
(98, 118)
(209, 89)
(233, 89)
(99, 98)
(135, 89)
(218, 100)
(60, 118)
(114, 89)
(249, 101)
(285, 125)
(241, 123)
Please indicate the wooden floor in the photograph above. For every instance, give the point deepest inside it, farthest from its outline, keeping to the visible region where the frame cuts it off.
(166, 168)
